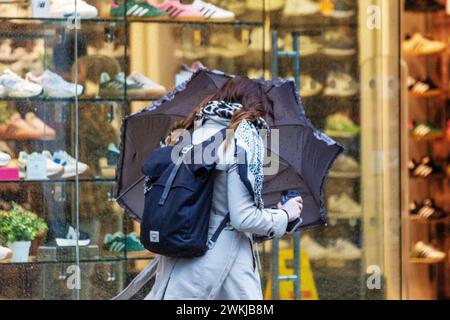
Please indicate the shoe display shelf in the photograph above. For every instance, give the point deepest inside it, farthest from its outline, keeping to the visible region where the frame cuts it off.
(427, 271)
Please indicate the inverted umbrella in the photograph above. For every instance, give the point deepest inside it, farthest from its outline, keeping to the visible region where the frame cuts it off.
(305, 154)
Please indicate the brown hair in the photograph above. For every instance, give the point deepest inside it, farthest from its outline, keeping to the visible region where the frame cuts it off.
(250, 94)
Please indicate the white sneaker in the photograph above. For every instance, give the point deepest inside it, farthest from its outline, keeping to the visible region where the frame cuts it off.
(343, 204)
(295, 8)
(5, 253)
(67, 162)
(16, 87)
(420, 45)
(343, 250)
(314, 249)
(308, 45)
(212, 12)
(66, 8)
(424, 251)
(5, 159)
(258, 5)
(309, 86)
(55, 86)
(256, 41)
(53, 170)
(340, 84)
(152, 90)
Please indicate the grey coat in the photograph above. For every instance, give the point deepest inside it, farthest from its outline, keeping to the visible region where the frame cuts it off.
(228, 270)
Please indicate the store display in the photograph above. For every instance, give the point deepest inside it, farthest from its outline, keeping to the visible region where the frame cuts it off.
(212, 12)
(115, 86)
(340, 125)
(118, 242)
(54, 85)
(53, 170)
(418, 44)
(5, 253)
(71, 166)
(298, 8)
(66, 8)
(137, 9)
(62, 234)
(424, 131)
(426, 251)
(107, 49)
(47, 133)
(423, 88)
(309, 86)
(423, 5)
(426, 210)
(340, 84)
(346, 165)
(177, 10)
(17, 87)
(343, 204)
(339, 43)
(272, 5)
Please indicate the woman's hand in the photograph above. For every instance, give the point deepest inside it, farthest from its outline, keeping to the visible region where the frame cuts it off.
(293, 208)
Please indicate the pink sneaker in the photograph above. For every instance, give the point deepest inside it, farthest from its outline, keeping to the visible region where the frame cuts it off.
(176, 10)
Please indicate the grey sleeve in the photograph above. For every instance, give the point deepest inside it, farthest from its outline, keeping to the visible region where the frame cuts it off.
(245, 216)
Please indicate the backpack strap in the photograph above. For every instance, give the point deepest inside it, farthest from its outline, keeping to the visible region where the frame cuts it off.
(215, 236)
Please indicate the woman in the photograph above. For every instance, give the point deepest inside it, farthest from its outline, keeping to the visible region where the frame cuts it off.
(229, 270)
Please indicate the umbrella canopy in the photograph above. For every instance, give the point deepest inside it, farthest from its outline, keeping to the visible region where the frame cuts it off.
(304, 153)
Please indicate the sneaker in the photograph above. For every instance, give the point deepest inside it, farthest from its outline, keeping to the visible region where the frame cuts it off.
(66, 8)
(424, 168)
(343, 250)
(425, 88)
(46, 131)
(118, 242)
(427, 210)
(419, 45)
(212, 12)
(18, 128)
(340, 84)
(113, 154)
(55, 86)
(340, 125)
(5, 159)
(298, 8)
(5, 253)
(341, 9)
(309, 86)
(343, 204)
(346, 165)
(227, 46)
(426, 251)
(63, 234)
(135, 9)
(424, 131)
(53, 170)
(115, 87)
(339, 43)
(256, 41)
(70, 165)
(313, 248)
(423, 5)
(16, 87)
(177, 10)
(149, 88)
(308, 45)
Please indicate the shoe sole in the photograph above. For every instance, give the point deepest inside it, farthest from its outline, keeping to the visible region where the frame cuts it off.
(4, 162)
(60, 242)
(423, 53)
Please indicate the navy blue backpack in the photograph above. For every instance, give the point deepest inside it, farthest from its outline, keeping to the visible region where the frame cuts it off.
(178, 199)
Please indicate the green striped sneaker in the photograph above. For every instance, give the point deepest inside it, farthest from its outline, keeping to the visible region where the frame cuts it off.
(135, 9)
